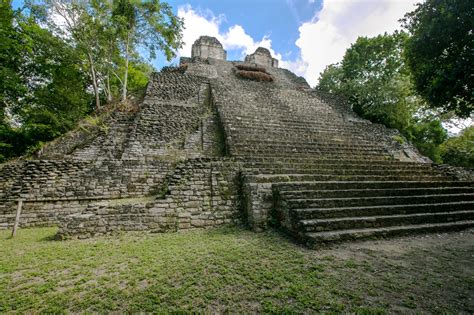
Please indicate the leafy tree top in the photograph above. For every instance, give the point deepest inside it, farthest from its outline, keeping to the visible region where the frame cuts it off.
(440, 53)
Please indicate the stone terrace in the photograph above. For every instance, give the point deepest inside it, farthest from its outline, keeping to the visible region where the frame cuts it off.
(208, 148)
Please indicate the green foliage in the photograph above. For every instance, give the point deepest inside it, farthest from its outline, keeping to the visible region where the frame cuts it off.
(374, 79)
(331, 79)
(138, 75)
(440, 53)
(46, 91)
(459, 151)
(49, 67)
(12, 46)
(149, 24)
(399, 139)
(12, 142)
(427, 135)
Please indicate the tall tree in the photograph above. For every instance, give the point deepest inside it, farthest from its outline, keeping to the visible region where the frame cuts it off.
(43, 85)
(12, 47)
(75, 22)
(440, 53)
(374, 78)
(150, 24)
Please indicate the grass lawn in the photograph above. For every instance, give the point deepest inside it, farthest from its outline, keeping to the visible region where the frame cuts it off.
(234, 270)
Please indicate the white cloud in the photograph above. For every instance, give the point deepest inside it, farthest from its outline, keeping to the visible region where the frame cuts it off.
(321, 41)
(324, 40)
(195, 25)
(235, 38)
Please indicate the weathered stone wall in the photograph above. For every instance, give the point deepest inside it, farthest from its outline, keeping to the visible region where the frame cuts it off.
(126, 156)
(208, 47)
(51, 189)
(173, 125)
(262, 57)
(200, 193)
(173, 86)
(44, 212)
(45, 179)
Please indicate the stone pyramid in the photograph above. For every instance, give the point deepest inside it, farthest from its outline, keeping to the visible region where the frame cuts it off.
(217, 142)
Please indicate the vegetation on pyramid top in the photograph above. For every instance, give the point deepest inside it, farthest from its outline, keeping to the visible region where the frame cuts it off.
(254, 75)
(251, 68)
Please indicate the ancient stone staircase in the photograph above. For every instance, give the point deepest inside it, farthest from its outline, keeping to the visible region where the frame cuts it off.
(324, 175)
(111, 141)
(318, 213)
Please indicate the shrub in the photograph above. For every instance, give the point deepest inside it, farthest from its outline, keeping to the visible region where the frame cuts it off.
(254, 75)
(459, 151)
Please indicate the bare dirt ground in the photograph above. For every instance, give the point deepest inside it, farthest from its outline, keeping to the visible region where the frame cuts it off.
(431, 273)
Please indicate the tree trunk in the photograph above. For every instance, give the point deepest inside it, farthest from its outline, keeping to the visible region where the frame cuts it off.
(94, 81)
(125, 77)
(109, 91)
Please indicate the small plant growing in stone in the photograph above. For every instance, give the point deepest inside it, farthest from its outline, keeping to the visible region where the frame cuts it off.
(399, 139)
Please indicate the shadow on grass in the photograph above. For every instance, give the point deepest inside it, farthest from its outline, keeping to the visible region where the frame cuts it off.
(272, 236)
(50, 238)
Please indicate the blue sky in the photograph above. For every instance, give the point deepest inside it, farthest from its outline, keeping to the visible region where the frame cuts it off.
(305, 35)
(278, 19)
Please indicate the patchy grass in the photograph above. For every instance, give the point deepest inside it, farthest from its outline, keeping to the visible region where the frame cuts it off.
(233, 270)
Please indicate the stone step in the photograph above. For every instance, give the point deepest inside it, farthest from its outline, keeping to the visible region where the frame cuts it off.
(327, 140)
(303, 143)
(282, 132)
(294, 126)
(317, 124)
(285, 118)
(312, 140)
(347, 166)
(269, 148)
(345, 223)
(344, 185)
(305, 134)
(325, 213)
(372, 156)
(313, 240)
(323, 123)
(367, 157)
(300, 194)
(376, 200)
(245, 132)
(268, 178)
(318, 160)
(337, 171)
(291, 133)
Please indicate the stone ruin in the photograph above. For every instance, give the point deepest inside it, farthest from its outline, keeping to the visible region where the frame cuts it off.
(207, 148)
(262, 57)
(208, 47)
